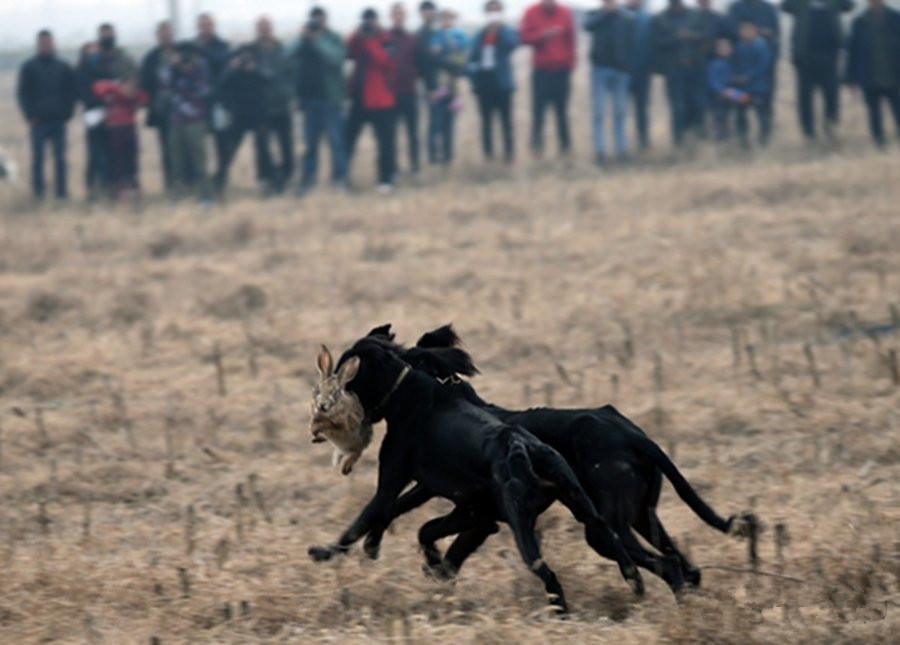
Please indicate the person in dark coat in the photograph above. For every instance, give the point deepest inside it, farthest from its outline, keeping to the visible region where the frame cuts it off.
(403, 47)
(641, 70)
(752, 62)
(764, 16)
(156, 81)
(47, 95)
(816, 42)
(216, 53)
(713, 27)
(873, 64)
(612, 43)
(493, 79)
(428, 63)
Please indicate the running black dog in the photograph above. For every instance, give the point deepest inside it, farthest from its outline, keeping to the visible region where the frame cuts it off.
(614, 460)
(455, 449)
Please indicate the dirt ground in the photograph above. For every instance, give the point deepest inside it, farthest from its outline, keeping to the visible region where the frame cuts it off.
(157, 478)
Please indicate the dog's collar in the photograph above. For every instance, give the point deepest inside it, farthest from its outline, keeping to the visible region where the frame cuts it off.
(387, 397)
(453, 379)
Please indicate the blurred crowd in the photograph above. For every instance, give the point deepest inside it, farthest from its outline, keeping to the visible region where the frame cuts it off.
(204, 94)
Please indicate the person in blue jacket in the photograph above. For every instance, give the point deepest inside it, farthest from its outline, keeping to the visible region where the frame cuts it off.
(752, 64)
(764, 16)
(873, 63)
(726, 97)
(493, 81)
(641, 70)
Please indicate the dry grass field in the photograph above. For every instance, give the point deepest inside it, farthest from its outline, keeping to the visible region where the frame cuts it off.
(157, 480)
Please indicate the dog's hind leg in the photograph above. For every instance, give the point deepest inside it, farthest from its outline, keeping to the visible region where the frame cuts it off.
(650, 527)
(473, 528)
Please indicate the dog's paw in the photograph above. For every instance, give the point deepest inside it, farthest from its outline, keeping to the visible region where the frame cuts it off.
(321, 553)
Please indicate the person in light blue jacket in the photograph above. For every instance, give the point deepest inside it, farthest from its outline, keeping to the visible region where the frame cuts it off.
(450, 48)
(491, 71)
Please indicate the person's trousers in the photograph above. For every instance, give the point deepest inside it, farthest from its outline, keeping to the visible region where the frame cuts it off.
(723, 113)
(188, 145)
(874, 98)
(123, 145)
(440, 130)
(408, 118)
(234, 137)
(322, 118)
(493, 100)
(165, 154)
(686, 91)
(640, 92)
(550, 89)
(761, 105)
(281, 127)
(609, 85)
(820, 73)
(383, 123)
(53, 133)
(96, 176)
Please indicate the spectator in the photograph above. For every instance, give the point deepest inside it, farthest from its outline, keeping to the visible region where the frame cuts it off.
(873, 63)
(216, 53)
(450, 46)
(188, 118)
(641, 70)
(403, 48)
(427, 63)
(320, 89)
(275, 65)
(713, 26)
(549, 29)
(47, 94)
(764, 16)
(100, 61)
(726, 96)
(493, 79)
(816, 41)
(372, 97)
(156, 81)
(242, 90)
(123, 99)
(678, 43)
(612, 44)
(752, 64)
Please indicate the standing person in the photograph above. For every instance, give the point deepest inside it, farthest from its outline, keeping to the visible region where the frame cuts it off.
(451, 48)
(191, 94)
(156, 81)
(752, 63)
(47, 94)
(372, 98)
(642, 59)
(123, 99)
(427, 63)
(493, 79)
(612, 43)
(549, 29)
(764, 16)
(242, 90)
(816, 41)
(275, 65)
(726, 97)
(216, 53)
(873, 64)
(321, 90)
(403, 48)
(678, 41)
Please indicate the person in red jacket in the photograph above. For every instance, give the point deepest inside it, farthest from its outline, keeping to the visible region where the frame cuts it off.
(549, 29)
(372, 98)
(123, 99)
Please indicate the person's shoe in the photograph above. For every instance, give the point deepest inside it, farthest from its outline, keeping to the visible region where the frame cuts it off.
(385, 189)
(599, 159)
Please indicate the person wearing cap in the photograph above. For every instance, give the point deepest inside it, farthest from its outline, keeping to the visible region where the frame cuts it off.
(372, 99)
(321, 90)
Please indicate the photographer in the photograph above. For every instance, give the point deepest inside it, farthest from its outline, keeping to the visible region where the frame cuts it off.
(320, 58)
(372, 97)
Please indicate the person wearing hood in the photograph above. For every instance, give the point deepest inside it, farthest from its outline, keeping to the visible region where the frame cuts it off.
(47, 94)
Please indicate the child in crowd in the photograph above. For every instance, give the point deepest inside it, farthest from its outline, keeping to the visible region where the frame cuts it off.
(753, 74)
(123, 99)
(450, 47)
(720, 81)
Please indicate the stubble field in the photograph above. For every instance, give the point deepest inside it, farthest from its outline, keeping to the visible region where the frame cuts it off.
(156, 474)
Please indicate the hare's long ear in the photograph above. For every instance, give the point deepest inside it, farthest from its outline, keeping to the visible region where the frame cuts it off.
(348, 371)
(325, 363)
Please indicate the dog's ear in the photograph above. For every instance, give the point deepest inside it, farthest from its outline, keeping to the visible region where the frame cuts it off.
(384, 331)
(348, 371)
(444, 336)
(325, 363)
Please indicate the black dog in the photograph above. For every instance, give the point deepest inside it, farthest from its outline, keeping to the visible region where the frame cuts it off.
(616, 463)
(455, 449)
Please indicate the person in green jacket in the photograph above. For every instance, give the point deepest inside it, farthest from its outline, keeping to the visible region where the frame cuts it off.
(319, 58)
(816, 42)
